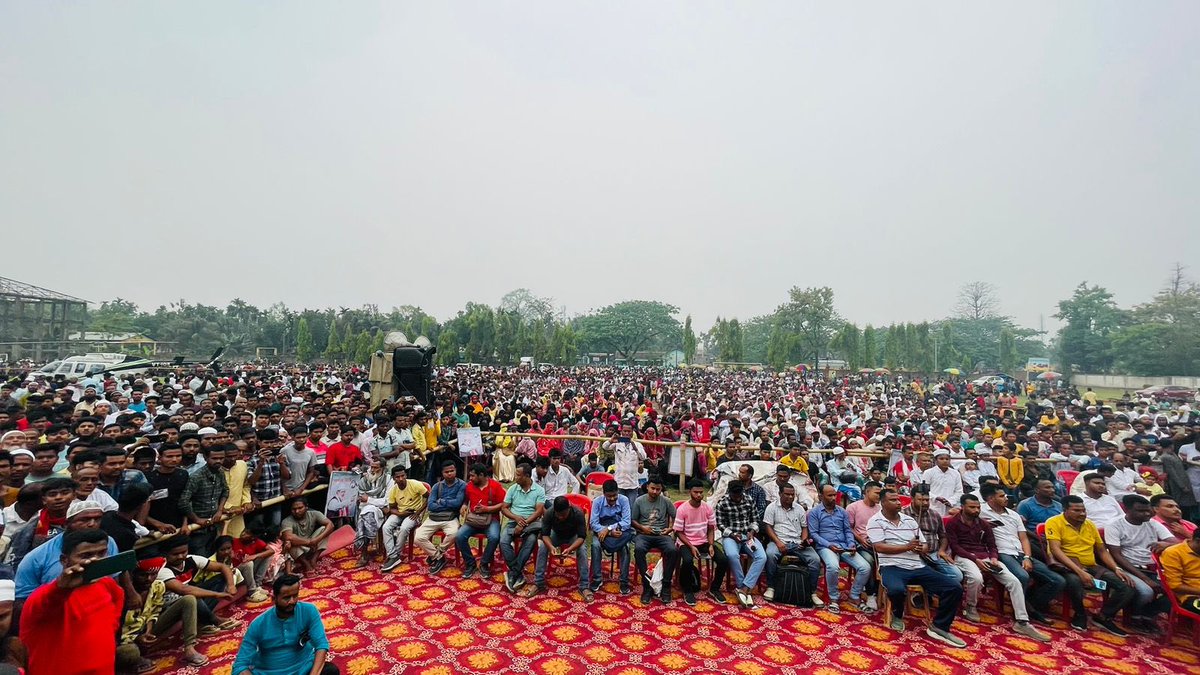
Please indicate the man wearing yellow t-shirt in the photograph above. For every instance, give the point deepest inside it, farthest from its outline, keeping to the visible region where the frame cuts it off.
(1181, 568)
(794, 461)
(406, 501)
(1075, 546)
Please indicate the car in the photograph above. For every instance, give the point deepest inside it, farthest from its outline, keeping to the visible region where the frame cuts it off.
(1167, 392)
(994, 380)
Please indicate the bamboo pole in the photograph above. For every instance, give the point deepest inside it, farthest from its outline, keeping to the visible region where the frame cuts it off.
(156, 537)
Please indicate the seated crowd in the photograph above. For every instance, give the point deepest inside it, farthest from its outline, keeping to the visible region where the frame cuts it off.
(154, 503)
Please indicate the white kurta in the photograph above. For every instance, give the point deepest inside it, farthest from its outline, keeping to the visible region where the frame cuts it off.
(944, 484)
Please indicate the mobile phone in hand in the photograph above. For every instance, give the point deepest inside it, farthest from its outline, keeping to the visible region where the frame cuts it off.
(1099, 584)
(121, 562)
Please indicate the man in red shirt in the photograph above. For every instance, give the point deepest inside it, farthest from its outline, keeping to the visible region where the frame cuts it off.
(485, 497)
(90, 613)
(344, 454)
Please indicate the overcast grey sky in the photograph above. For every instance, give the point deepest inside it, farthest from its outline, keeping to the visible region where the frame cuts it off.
(706, 154)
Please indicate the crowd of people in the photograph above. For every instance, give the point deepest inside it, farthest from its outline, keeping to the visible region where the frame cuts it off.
(150, 502)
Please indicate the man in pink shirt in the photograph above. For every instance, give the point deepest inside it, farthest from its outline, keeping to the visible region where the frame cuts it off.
(695, 529)
(1167, 512)
(859, 513)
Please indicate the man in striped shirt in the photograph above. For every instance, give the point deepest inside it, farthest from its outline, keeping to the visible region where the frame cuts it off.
(900, 554)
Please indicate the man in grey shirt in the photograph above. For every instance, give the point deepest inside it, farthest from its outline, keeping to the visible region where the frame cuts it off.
(652, 517)
(301, 461)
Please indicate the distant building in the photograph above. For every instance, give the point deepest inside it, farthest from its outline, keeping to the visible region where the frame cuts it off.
(123, 342)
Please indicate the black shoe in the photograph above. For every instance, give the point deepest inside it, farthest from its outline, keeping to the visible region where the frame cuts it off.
(690, 599)
(1109, 625)
(665, 596)
(596, 584)
(647, 596)
(508, 583)
(470, 572)
(1080, 623)
(438, 565)
(625, 589)
(519, 583)
(717, 596)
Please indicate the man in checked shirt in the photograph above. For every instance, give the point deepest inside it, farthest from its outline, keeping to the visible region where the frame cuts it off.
(737, 525)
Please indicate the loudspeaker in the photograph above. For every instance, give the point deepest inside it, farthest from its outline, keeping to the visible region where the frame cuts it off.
(412, 370)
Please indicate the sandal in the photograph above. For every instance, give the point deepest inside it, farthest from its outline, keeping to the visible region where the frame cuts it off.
(197, 660)
(208, 631)
(228, 624)
(588, 596)
(145, 666)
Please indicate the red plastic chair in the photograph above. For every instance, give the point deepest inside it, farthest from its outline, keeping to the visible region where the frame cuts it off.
(598, 478)
(1178, 613)
(584, 505)
(1067, 477)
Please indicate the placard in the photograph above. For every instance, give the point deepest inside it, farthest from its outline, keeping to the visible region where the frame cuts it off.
(342, 498)
(470, 442)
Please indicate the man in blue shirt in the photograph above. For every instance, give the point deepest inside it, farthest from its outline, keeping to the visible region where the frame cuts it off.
(1042, 506)
(44, 563)
(829, 527)
(611, 533)
(524, 506)
(445, 501)
(288, 639)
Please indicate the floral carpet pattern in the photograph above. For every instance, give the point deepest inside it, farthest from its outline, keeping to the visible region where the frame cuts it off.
(408, 622)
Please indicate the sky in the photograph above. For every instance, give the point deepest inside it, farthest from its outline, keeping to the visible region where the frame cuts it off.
(706, 154)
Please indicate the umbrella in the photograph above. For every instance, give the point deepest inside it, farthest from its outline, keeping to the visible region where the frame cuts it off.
(883, 371)
(865, 371)
(1049, 375)
(801, 368)
(953, 371)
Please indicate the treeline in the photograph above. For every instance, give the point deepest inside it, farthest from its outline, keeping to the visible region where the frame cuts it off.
(1161, 337)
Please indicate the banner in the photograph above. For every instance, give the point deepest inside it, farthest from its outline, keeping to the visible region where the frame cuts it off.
(470, 442)
(341, 500)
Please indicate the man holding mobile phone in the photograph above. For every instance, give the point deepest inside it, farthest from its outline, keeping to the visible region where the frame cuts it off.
(974, 547)
(1075, 548)
(53, 611)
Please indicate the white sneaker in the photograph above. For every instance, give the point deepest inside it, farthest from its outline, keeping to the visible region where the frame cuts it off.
(872, 604)
(769, 594)
(817, 601)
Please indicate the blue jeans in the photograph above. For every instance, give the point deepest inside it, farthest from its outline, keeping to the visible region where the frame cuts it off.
(862, 573)
(951, 571)
(936, 584)
(463, 541)
(516, 560)
(1050, 584)
(618, 545)
(543, 556)
(758, 560)
(807, 554)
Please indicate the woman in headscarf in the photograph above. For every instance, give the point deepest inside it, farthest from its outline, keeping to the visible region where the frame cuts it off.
(505, 457)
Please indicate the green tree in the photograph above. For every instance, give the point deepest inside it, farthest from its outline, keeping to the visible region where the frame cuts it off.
(1008, 351)
(362, 348)
(447, 348)
(810, 317)
(848, 344)
(870, 348)
(629, 327)
(689, 340)
(1091, 318)
(305, 351)
(115, 316)
(333, 347)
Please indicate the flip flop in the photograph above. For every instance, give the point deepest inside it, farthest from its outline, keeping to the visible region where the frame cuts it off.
(145, 666)
(228, 624)
(198, 660)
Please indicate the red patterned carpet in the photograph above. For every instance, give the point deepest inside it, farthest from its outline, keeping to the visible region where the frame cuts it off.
(408, 622)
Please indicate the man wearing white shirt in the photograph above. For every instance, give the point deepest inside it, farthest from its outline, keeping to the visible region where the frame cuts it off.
(1101, 507)
(1124, 481)
(945, 484)
(628, 456)
(1132, 540)
(555, 479)
(1012, 542)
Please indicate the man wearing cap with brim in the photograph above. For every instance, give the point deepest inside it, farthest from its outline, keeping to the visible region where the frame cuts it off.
(42, 565)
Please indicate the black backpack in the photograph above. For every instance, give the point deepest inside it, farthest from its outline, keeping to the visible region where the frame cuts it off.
(791, 583)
